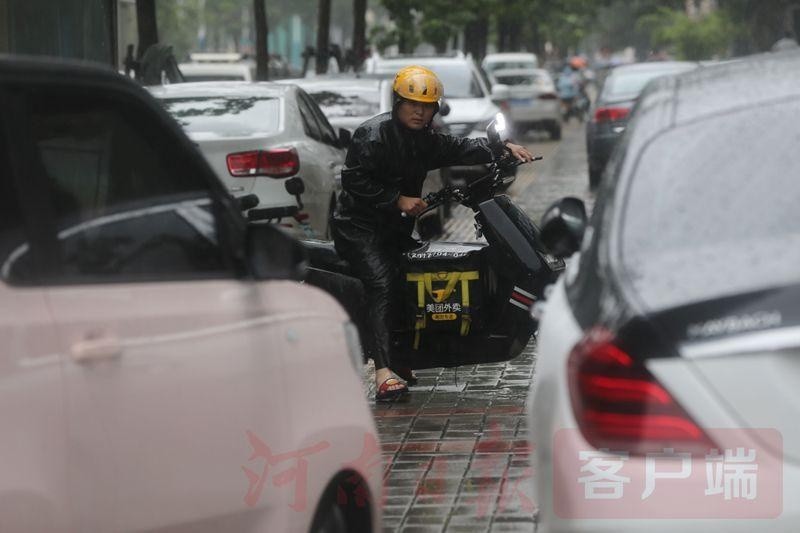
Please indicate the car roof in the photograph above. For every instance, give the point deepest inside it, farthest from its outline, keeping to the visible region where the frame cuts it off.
(508, 55)
(726, 87)
(316, 84)
(657, 66)
(215, 67)
(428, 60)
(520, 72)
(221, 88)
(72, 69)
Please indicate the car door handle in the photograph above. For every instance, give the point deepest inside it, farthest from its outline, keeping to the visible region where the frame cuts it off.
(93, 349)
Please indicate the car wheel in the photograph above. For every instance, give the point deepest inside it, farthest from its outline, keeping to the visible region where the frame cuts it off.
(330, 519)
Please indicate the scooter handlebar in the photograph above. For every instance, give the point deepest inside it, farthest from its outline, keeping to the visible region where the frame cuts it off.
(459, 194)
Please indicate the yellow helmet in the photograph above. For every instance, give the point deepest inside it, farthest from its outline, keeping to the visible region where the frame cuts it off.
(418, 84)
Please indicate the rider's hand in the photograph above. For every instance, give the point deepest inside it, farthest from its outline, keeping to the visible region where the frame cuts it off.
(411, 206)
(520, 152)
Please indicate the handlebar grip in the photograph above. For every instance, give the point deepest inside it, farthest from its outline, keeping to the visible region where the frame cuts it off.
(269, 213)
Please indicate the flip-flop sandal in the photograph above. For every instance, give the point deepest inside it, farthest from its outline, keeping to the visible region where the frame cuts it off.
(406, 374)
(384, 393)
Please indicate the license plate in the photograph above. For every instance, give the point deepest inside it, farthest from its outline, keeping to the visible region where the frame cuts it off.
(520, 102)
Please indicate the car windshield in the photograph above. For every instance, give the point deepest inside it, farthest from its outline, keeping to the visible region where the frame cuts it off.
(344, 102)
(458, 79)
(712, 209)
(226, 115)
(522, 79)
(500, 65)
(629, 84)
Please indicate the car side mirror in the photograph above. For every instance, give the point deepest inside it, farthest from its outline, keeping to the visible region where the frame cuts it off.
(344, 137)
(563, 226)
(500, 92)
(274, 254)
(248, 201)
(444, 108)
(495, 131)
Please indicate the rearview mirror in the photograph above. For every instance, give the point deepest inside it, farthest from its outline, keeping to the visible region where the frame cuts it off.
(248, 201)
(444, 108)
(495, 131)
(274, 254)
(344, 137)
(563, 226)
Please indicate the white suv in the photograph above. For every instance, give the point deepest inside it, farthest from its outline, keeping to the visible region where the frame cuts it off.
(159, 369)
(466, 90)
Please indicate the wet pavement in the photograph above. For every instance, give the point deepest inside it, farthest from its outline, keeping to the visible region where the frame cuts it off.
(456, 453)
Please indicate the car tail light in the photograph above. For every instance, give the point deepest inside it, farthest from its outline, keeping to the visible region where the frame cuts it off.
(276, 163)
(548, 96)
(620, 405)
(611, 114)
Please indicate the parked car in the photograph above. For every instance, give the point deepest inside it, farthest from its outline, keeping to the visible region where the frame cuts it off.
(510, 60)
(609, 115)
(348, 102)
(668, 352)
(210, 66)
(160, 369)
(256, 135)
(467, 92)
(533, 102)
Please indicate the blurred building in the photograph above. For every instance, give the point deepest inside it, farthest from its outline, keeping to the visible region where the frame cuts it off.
(78, 29)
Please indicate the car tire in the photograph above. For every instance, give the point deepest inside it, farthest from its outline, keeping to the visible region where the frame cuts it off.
(330, 518)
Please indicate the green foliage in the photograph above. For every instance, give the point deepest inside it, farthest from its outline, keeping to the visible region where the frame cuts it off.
(705, 38)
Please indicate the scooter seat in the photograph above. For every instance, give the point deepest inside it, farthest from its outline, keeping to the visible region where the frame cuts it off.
(322, 255)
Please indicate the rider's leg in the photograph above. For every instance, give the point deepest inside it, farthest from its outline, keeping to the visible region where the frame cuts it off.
(375, 263)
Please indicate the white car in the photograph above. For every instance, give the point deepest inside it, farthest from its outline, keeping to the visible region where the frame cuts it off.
(533, 102)
(349, 102)
(255, 136)
(159, 369)
(467, 93)
(509, 60)
(667, 387)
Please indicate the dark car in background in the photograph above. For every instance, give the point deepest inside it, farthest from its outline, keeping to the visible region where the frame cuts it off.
(609, 117)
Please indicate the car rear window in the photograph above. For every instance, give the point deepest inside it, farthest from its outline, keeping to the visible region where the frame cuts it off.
(347, 102)
(630, 84)
(458, 78)
(711, 208)
(500, 65)
(226, 115)
(523, 79)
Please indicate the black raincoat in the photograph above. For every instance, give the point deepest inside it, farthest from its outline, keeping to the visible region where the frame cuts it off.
(386, 160)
